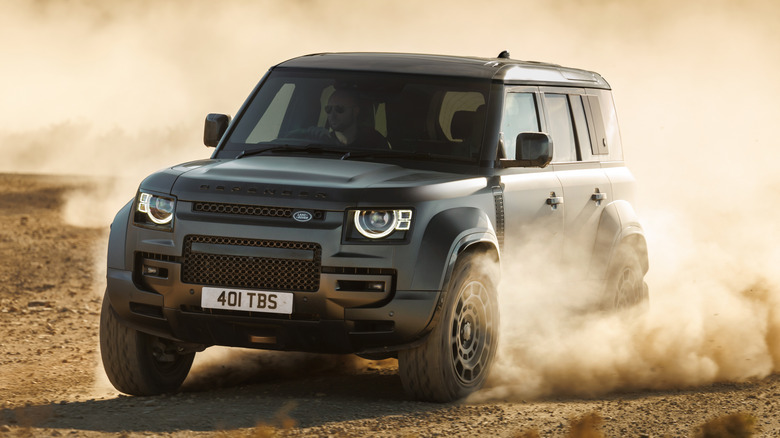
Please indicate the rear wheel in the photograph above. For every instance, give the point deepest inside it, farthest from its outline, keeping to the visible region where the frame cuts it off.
(137, 363)
(625, 281)
(457, 355)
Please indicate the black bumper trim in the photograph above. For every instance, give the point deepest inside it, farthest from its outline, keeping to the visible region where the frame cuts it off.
(398, 322)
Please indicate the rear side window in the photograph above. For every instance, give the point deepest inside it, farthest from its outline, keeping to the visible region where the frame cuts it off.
(576, 125)
(597, 134)
(560, 127)
(581, 127)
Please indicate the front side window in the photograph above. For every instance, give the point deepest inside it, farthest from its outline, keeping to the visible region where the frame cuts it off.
(520, 115)
(421, 116)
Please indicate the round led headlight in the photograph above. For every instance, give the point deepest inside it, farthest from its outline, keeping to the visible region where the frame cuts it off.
(157, 208)
(376, 224)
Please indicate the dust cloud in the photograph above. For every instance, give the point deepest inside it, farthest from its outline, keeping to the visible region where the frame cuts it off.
(696, 102)
(118, 90)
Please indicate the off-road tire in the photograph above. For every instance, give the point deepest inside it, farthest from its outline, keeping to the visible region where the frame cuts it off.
(457, 355)
(625, 287)
(130, 358)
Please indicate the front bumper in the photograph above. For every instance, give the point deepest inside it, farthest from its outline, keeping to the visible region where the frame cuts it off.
(328, 320)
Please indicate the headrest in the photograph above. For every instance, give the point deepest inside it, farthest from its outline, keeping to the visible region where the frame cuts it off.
(462, 124)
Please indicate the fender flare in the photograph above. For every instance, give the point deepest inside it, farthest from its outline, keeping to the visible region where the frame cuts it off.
(447, 235)
(117, 239)
(619, 225)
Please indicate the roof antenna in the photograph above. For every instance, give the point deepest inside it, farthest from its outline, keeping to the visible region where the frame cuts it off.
(503, 55)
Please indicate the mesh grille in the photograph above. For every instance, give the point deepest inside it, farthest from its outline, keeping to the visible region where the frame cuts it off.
(248, 210)
(251, 272)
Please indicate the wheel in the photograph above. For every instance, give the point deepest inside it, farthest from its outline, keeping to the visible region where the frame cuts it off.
(137, 363)
(457, 355)
(625, 281)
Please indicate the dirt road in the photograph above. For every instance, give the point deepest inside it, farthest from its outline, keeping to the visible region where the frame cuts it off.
(51, 383)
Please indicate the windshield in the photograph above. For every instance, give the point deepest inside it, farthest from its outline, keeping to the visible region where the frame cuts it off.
(380, 115)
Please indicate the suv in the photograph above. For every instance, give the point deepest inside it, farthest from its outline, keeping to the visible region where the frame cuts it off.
(364, 203)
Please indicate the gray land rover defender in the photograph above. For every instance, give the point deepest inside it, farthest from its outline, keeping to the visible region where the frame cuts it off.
(365, 203)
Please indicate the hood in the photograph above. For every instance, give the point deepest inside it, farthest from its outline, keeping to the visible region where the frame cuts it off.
(278, 180)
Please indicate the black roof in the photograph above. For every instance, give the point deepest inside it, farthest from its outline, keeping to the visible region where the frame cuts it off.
(501, 69)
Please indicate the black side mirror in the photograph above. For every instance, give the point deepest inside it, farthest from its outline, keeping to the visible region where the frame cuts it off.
(532, 149)
(216, 125)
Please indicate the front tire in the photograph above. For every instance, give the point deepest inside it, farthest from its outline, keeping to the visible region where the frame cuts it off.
(457, 355)
(137, 363)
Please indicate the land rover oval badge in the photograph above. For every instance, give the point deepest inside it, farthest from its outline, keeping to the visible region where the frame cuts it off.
(302, 216)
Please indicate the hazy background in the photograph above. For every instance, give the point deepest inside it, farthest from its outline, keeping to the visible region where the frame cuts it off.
(121, 89)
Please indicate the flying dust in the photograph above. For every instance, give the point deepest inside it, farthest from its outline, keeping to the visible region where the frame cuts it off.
(118, 90)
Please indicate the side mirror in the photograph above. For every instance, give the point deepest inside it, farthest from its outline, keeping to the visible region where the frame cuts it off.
(216, 125)
(532, 149)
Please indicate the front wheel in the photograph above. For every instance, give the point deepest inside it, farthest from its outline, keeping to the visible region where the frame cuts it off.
(137, 363)
(457, 355)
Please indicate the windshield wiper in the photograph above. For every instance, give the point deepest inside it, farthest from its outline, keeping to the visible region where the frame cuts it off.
(310, 149)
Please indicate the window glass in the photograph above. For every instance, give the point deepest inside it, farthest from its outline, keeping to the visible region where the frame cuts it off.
(380, 116)
(560, 126)
(430, 116)
(520, 115)
(268, 127)
(600, 144)
(581, 125)
(455, 101)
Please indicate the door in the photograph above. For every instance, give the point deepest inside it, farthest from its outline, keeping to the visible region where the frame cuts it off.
(532, 197)
(585, 186)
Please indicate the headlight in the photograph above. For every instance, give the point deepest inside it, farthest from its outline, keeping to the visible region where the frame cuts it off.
(154, 210)
(376, 224)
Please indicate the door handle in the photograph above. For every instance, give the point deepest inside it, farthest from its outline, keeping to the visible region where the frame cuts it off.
(553, 201)
(598, 196)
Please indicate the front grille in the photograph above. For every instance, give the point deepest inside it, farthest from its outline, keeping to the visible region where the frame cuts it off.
(250, 210)
(227, 261)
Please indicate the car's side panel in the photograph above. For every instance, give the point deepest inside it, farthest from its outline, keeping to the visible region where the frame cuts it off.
(533, 216)
(446, 234)
(584, 186)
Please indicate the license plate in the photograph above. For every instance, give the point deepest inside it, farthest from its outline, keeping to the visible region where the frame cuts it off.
(249, 300)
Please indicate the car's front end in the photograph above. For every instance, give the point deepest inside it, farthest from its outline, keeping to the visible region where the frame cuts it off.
(280, 253)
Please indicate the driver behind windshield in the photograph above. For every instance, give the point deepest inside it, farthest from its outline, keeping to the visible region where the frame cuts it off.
(344, 127)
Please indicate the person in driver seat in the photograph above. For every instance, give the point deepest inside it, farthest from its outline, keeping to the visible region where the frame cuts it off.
(343, 110)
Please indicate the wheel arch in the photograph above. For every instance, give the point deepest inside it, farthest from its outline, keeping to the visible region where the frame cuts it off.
(447, 237)
(117, 239)
(450, 236)
(618, 226)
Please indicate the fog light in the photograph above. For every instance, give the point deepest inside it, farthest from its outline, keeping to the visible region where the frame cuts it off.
(151, 270)
(360, 286)
(376, 286)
